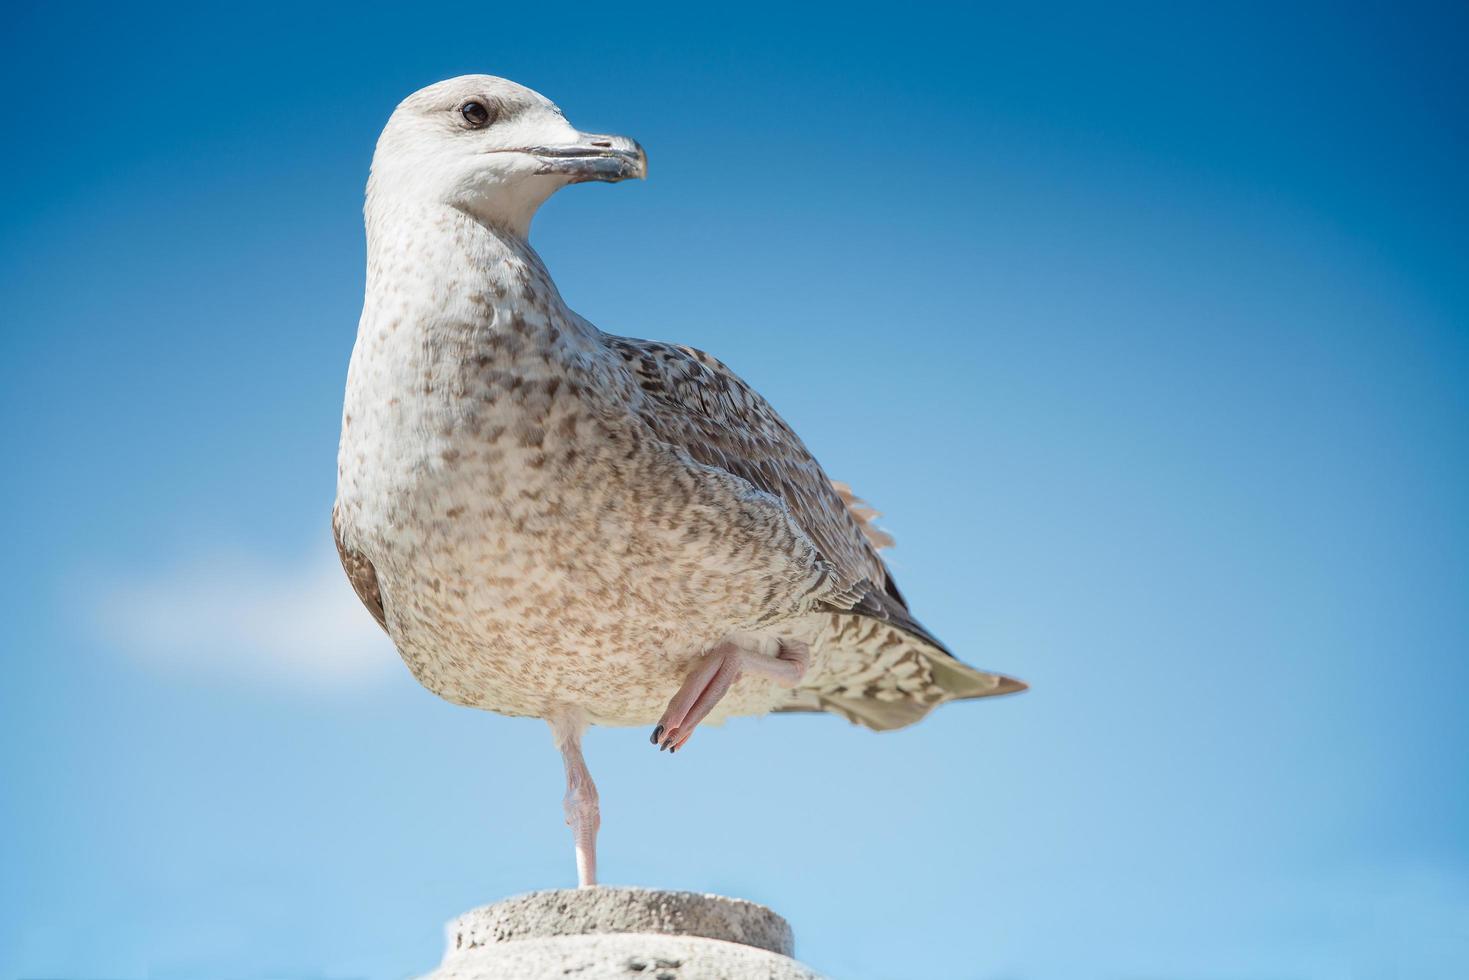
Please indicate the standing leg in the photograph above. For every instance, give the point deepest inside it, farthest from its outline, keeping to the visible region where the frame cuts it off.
(583, 815)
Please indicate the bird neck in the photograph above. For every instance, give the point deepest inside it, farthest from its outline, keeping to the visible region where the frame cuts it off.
(450, 304)
(448, 252)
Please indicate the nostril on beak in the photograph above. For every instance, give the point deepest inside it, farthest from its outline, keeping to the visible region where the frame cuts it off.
(603, 144)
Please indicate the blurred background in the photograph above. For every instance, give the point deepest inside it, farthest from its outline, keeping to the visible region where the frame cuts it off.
(1145, 325)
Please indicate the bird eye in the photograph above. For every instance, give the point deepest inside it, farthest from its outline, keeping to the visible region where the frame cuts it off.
(475, 114)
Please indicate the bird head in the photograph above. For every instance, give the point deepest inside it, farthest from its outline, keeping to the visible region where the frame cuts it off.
(492, 149)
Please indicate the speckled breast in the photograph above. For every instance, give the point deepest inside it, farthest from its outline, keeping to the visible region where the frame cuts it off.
(533, 549)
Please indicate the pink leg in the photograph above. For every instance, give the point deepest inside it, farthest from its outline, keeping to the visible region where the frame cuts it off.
(583, 815)
(786, 668)
(711, 679)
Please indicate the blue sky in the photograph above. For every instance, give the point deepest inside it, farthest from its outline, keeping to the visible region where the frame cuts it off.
(1146, 327)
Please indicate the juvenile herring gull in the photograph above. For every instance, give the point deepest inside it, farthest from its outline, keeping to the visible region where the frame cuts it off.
(555, 522)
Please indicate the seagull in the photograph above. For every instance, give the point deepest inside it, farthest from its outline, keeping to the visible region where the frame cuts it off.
(554, 522)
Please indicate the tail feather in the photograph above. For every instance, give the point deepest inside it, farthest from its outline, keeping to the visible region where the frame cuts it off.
(884, 676)
(883, 669)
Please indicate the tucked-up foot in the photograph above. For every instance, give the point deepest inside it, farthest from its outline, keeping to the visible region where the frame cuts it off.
(711, 678)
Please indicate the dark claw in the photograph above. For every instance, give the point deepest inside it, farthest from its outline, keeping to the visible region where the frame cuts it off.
(657, 734)
(669, 740)
(673, 750)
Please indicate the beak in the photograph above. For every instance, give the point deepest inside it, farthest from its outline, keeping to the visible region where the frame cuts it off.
(593, 157)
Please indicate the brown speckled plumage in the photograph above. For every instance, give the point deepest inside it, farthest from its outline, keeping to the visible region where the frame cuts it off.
(547, 518)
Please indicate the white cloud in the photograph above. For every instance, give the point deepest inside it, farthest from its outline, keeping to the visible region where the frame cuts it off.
(243, 617)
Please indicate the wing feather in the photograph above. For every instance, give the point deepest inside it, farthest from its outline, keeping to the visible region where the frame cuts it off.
(693, 402)
(360, 573)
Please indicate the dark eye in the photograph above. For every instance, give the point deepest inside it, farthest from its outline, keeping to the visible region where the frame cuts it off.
(475, 114)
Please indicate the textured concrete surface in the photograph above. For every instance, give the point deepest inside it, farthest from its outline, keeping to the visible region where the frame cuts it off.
(631, 956)
(597, 933)
(579, 911)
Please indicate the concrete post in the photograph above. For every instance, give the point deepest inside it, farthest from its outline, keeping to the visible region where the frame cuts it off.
(611, 933)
